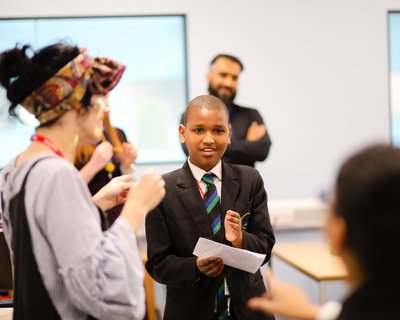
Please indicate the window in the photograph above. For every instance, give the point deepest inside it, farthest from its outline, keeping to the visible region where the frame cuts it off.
(148, 102)
(394, 76)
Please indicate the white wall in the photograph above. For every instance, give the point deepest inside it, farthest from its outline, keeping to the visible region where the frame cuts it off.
(316, 69)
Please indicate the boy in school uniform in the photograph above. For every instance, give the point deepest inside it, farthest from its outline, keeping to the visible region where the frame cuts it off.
(212, 199)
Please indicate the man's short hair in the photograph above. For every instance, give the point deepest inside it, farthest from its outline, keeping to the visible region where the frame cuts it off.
(229, 57)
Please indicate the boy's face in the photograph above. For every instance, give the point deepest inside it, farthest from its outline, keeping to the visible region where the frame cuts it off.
(206, 134)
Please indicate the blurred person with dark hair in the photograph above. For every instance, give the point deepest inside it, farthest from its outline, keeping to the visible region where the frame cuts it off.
(363, 229)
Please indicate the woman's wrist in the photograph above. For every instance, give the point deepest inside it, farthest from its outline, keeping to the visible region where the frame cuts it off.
(127, 169)
(134, 214)
(97, 200)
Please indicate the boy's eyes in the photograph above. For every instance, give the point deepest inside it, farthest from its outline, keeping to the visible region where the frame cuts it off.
(201, 130)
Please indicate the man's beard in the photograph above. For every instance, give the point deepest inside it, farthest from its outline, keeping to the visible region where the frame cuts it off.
(228, 100)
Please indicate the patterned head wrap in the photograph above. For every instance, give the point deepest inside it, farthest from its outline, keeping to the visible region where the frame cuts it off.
(65, 90)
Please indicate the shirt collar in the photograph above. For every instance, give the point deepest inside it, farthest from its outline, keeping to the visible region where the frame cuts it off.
(198, 173)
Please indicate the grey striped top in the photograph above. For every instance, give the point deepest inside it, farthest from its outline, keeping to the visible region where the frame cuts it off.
(85, 270)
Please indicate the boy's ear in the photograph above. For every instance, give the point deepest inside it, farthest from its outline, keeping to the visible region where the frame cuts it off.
(182, 129)
(230, 134)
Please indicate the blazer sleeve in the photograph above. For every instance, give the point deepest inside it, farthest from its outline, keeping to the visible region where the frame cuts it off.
(258, 235)
(252, 151)
(162, 263)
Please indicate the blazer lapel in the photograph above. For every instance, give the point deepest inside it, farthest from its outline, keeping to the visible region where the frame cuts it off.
(230, 188)
(190, 195)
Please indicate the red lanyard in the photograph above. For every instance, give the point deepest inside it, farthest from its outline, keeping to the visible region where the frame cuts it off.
(48, 143)
(201, 191)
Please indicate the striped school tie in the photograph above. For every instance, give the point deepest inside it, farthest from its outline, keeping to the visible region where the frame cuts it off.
(213, 208)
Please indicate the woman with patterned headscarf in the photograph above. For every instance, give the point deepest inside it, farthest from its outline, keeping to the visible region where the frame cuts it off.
(65, 266)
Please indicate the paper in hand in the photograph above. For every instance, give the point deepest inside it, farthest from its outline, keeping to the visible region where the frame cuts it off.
(238, 258)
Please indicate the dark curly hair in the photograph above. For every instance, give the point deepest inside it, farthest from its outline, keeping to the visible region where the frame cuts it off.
(22, 70)
(367, 197)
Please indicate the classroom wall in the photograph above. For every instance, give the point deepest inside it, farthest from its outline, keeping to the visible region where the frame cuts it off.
(316, 69)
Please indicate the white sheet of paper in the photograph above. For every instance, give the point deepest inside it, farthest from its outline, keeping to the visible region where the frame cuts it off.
(238, 258)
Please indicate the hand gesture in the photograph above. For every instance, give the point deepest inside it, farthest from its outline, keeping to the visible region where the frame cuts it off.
(233, 228)
(284, 299)
(113, 193)
(211, 267)
(101, 155)
(144, 196)
(255, 131)
(127, 157)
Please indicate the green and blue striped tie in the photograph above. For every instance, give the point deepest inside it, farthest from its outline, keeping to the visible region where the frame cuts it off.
(213, 208)
(213, 205)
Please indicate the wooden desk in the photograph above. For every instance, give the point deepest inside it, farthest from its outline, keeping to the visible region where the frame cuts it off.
(314, 260)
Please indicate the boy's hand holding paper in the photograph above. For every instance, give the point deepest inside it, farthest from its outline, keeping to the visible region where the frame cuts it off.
(238, 258)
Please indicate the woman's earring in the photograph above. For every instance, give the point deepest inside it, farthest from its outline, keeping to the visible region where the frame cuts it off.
(75, 141)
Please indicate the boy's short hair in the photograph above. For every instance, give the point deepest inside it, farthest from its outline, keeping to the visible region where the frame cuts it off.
(208, 102)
